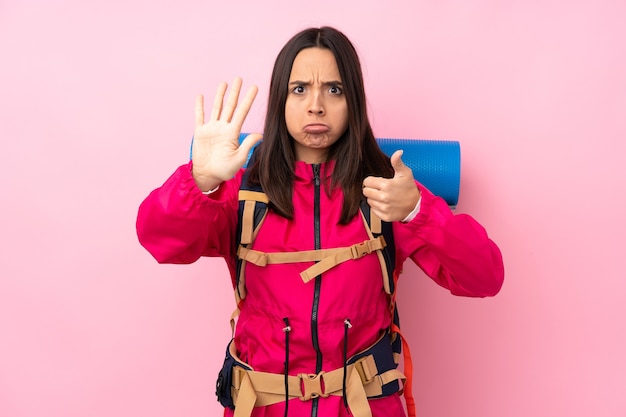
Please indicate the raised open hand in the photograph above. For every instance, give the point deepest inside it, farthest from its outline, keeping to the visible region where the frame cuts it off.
(216, 153)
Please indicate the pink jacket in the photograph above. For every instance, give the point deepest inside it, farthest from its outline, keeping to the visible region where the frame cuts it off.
(178, 224)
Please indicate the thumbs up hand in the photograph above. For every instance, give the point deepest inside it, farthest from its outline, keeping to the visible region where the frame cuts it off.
(392, 199)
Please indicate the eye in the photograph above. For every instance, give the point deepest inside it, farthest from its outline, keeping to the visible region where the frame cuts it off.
(299, 89)
(335, 90)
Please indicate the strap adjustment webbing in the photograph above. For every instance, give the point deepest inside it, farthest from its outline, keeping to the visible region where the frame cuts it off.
(328, 258)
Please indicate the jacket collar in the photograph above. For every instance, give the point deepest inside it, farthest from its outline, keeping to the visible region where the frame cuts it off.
(304, 171)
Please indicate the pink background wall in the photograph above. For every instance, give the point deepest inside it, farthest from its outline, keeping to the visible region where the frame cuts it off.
(96, 109)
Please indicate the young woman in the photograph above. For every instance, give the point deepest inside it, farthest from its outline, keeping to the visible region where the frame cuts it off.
(313, 334)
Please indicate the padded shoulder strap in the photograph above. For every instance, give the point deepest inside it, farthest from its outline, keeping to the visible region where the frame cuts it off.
(376, 227)
(252, 208)
(251, 213)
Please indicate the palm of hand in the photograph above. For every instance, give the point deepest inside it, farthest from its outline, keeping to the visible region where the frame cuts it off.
(216, 153)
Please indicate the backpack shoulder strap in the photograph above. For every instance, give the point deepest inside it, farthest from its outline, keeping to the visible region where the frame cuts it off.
(253, 206)
(375, 228)
(399, 345)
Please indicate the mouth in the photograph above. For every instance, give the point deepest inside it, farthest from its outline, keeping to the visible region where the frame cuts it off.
(316, 128)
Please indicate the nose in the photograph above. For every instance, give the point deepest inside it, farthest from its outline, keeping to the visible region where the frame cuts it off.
(316, 105)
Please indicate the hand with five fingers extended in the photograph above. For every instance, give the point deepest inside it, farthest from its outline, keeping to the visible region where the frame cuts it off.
(392, 199)
(216, 153)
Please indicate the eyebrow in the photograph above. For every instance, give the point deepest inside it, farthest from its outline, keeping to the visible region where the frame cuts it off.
(325, 83)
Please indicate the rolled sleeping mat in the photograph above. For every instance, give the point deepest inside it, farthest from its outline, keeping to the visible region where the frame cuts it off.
(435, 163)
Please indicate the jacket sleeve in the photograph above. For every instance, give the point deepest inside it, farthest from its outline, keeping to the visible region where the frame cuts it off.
(178, 224)
(454, 250)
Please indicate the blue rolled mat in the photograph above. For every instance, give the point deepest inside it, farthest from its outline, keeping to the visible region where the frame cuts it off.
(435, 163)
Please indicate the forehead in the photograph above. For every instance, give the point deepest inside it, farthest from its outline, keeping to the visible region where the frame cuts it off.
(315, 63)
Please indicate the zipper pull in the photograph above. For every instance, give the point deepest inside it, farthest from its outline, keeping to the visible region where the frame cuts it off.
(316, 174)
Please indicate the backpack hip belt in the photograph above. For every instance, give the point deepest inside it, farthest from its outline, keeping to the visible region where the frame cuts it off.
(369, 374)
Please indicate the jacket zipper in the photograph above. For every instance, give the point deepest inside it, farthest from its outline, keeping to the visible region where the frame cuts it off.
(318, 280)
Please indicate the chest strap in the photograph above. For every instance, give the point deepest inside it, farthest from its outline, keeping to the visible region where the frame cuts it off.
(328, 258)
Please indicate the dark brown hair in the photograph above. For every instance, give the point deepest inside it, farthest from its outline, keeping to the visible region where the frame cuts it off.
(360, 155)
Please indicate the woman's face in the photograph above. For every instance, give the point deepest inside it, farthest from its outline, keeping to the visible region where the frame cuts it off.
(316, 111)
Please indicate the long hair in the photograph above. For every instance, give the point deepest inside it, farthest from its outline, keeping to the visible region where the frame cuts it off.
(360, 155)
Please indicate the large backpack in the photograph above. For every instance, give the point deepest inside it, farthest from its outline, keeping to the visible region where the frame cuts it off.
(436, 163)
(253, 207)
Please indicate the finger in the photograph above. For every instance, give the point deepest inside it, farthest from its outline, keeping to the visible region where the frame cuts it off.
(218, 101)
(199, 110)
(249, 142)
(373, 195)
(401, 170)
(369, 193)
(374, 183)
(396, 160)
(244, 107)
(231, 102)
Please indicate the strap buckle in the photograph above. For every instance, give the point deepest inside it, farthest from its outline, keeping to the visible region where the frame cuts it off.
(312, 386)
(367, 369)
(359, 250)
